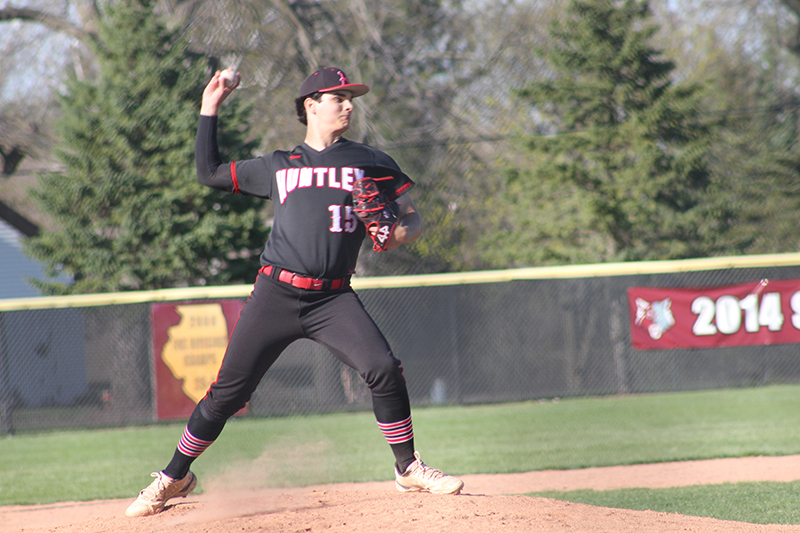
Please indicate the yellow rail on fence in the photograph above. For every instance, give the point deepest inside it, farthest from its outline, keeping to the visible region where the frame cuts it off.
(424, 280)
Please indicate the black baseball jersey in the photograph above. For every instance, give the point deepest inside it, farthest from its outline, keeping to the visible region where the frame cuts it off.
(315, 232)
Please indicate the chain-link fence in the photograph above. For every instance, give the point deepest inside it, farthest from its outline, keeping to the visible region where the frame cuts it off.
(461, 343)
(453, 132)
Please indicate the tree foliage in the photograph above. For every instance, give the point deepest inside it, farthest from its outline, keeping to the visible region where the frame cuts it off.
(618, 167)
(130, 210)
(415, 55)
(608, 167)
(755, 156)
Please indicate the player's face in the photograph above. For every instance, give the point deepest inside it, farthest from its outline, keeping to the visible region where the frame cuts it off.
(334, 110)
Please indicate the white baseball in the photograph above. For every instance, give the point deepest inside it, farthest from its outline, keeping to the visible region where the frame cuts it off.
(230, 77)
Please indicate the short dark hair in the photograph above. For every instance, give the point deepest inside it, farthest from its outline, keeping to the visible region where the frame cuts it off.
(300, 107)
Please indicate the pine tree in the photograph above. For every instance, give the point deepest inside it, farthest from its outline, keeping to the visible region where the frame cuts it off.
(130, 212)
(756, 160)
(617, 167)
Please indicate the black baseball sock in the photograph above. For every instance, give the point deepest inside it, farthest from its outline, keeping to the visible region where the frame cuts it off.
(393, 414)
(403, 455)
(199, 434)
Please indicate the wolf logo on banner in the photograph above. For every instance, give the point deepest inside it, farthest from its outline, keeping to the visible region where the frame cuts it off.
(656, 317)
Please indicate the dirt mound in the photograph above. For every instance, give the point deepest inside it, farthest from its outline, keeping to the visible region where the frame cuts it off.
(489, 503)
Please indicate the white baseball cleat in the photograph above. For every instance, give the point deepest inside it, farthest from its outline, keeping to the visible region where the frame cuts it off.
(153, 499)
(420, 477)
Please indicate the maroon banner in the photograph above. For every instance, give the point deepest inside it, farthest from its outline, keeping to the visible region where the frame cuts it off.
(189, 342)
(762, 312)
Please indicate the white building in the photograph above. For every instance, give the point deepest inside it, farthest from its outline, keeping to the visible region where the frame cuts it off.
(15, 266)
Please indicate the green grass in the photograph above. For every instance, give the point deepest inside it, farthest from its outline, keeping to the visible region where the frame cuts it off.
(757, 503)
(518, 437)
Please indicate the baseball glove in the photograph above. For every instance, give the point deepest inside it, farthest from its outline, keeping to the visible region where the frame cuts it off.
(375, 210)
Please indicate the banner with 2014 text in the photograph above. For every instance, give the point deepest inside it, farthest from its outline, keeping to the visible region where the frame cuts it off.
(760, 312)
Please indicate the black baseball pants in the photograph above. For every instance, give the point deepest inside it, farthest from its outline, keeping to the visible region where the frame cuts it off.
(277, 314)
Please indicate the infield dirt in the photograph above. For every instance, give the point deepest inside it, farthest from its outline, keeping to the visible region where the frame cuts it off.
(489, 503)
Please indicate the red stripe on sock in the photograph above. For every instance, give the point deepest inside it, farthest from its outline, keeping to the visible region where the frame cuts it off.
(393, 425)
(191, 445)
(397, 432)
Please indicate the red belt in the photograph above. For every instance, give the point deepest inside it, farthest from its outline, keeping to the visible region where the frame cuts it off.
(304, 282)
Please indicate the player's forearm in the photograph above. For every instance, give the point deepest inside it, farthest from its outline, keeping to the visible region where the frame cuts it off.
(407, 230)
(210, 170)
(209, 110)
(409, 223)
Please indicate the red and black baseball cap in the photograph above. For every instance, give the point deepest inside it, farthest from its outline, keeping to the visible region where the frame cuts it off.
(330, 79)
